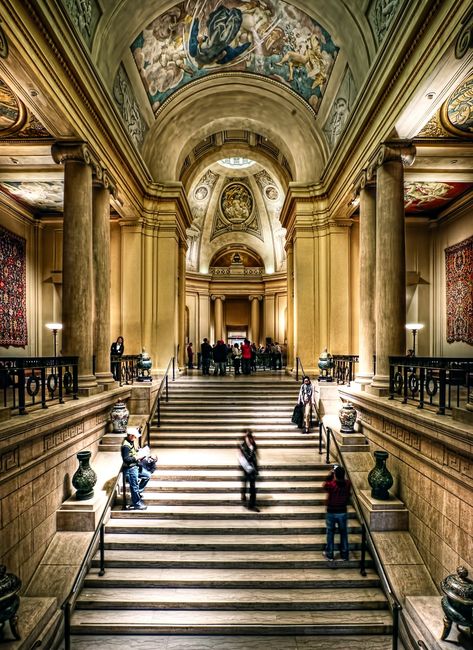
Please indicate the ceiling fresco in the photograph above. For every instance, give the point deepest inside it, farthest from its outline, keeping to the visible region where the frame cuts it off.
(457, 112)
(40, 195)
(199, 37)
(431, 197)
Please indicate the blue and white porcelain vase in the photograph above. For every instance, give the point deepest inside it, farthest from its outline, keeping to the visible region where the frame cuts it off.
(119, 416)
(347, 415)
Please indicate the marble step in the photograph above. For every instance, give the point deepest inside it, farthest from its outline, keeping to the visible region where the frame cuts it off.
(156, 484)
(221, 580)
(197, 419)
(234, 642)
(223, 527)
(211, 560)
(175, 622)
(306, 441)
(208, 475)
(219, 512)
(237, 599)
(229, 499)
(202, 431)
(221, 543)
(282, 407)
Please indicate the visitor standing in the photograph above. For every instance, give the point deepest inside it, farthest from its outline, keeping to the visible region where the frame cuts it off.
(246, 357)
(220, 358)
(248, 459)
(117, 349)
(307, 400)
(205, 356)
(236, 356)
(190, 356)
(338, 490)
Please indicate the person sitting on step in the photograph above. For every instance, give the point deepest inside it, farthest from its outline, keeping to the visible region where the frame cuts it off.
(136, 475)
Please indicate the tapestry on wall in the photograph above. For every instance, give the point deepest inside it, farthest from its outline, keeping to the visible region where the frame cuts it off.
(459, 284)
(13, 329)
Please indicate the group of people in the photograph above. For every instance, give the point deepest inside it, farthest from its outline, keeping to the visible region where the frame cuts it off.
(242, 357)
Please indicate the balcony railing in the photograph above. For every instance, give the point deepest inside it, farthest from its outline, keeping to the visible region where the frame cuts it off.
(124, 368)
(28, 382)
(438, 383)
(344, 368)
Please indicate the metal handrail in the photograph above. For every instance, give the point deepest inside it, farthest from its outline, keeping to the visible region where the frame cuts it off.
(366, 539)
(299, 363)
(69, 602)
(163, 386)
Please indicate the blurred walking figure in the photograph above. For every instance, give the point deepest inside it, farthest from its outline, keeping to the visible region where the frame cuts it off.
(206, 356)
(248, 459)
(307, 400)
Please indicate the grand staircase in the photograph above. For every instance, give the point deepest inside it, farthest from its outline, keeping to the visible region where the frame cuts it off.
(197, 570)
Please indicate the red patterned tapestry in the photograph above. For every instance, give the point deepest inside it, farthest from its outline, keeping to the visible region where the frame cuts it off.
(13, 329)
(459, 284)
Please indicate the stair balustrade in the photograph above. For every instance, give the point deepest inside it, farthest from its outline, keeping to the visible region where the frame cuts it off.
(32, 382)
(163, 388)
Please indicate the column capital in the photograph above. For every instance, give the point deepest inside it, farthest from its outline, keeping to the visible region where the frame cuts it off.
(257, 297)
(102, 178)
(215, 296)
(65, 151)
(395, 151)
(363, 181)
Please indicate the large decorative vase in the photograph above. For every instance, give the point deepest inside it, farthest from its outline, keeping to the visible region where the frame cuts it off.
(325, 364)
(119, 416)
(347, 415)
(10, 585)
(457, 603)
(144, 365)
(379, 478)
(85, 478)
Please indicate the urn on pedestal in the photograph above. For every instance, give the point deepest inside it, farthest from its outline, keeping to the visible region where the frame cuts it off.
(85, 478)
(347, 415)
(457, 603)
(119, 416)
(380, 478)
(143, 366)
(325, 364)
(10, 585)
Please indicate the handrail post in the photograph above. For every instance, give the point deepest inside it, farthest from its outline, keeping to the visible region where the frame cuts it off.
(173, 368)
(20, 373)
(158, 411)
(327, 455)
(442, 386)
(320, 437)
(123, 488)
(297, 368)
(396, 609)
(102, 550)
(363, 550)
(67, 626)
(167, 388)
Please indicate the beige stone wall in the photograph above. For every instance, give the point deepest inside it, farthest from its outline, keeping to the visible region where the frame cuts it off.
(37, 462)
(431, 461)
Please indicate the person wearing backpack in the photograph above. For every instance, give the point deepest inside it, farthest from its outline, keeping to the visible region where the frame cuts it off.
(338, 490)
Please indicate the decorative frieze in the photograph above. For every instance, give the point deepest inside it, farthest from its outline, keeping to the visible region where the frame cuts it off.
(407, 437)
(57, 438)
(9, 460)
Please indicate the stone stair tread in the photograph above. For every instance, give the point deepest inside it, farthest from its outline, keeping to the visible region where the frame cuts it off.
(141, 620)
(198, 511)
(225, 525)
(214, 598)
(209, 559)
(234, 642)
(223, 474)
(142, 539)
(156, 483)
(263, 499)
(308, 442)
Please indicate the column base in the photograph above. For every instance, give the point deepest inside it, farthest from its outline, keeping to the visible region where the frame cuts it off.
(88, 386)
(106, 380)
(379, 386)
(363, 380)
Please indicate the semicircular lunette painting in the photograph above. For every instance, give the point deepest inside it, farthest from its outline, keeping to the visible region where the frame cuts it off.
(200, 37)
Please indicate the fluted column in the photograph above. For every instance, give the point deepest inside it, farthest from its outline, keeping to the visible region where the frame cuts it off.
(367, 333)
(182, 303)
(77, 269)
(218, 316)
(255, 300)
(290, 304)
(390, 258)
(103, 186)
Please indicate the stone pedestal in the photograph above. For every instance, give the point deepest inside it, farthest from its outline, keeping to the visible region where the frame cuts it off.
(326, 398)
(80, 515)
(384, 515)
(426, 614)
(34, 616)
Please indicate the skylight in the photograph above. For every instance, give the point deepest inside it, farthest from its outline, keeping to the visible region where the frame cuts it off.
(236, 163)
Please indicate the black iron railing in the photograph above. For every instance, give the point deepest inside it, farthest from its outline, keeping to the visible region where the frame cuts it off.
(367, 541)
(124, 368)
(438, 383)
(28, 382)
(162, 390)
(344, 368)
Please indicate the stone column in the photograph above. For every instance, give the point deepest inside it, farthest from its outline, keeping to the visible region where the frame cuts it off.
(182, 304)
(218, 316)
(255, 300)
(390, 259)
(290, 304)
(367, 333)
(270, 316)
(77, 269)
(102, 188)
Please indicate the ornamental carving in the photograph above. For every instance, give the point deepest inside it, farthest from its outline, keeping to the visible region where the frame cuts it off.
(456, 114)
(465, 38)
(380, 15)
(236, 203)
(85, 15)
(433, 129)
(128, 107)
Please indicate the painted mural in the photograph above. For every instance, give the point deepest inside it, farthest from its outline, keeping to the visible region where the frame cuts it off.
(457, 112)
(12, 111)
(431, 197)
(40, 195)
(237, 211)
(199, 37)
